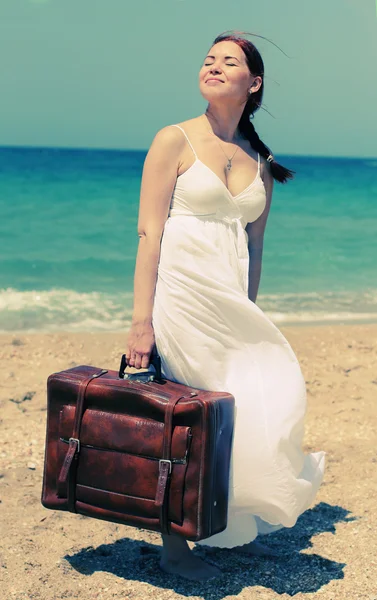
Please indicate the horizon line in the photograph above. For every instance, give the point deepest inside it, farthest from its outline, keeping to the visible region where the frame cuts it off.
(145, 150)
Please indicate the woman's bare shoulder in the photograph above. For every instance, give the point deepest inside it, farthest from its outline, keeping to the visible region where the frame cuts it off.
(168, 137)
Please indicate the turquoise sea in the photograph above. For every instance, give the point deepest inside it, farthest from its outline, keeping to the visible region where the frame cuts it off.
(68, 230)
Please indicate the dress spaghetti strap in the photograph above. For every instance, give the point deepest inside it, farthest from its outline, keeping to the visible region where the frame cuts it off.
(191, 146)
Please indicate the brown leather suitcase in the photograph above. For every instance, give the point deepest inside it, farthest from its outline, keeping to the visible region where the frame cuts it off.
(138, 449)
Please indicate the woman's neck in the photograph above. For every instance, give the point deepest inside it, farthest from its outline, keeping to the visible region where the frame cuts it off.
(224, 126)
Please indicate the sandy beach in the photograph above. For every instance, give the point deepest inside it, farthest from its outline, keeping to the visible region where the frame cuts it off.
(332, 549)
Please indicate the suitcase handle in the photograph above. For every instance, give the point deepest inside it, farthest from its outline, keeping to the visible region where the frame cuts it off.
(144, 376)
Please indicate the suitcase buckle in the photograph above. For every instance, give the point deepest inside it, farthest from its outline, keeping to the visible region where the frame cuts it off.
(165, 460)
(71, 439)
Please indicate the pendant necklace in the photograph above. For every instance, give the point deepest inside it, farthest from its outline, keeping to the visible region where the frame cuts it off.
(229, 164)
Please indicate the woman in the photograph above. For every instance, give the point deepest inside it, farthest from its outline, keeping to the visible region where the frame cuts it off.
(205, 198)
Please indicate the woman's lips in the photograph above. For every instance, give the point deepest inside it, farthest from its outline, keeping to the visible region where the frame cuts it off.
(213, 79)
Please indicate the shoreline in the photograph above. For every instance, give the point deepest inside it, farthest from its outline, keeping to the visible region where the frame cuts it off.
(283, 325)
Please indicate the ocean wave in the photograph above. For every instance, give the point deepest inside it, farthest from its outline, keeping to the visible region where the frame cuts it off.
(64, 310)
(68, 310)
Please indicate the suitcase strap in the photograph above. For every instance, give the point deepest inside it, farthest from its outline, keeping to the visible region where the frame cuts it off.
(67, 477)
(165, 465)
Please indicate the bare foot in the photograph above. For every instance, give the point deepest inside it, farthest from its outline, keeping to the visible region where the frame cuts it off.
(257, 549)
(191, 567)
(178, 559)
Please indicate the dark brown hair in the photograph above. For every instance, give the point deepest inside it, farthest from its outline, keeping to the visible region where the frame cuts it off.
(245, 126)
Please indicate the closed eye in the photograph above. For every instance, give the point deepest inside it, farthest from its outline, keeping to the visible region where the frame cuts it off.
(228, 64)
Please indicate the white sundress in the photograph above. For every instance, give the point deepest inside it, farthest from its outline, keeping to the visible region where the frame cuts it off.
(210, 335)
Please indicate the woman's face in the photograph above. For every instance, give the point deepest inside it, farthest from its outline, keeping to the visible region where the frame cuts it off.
(226, 63)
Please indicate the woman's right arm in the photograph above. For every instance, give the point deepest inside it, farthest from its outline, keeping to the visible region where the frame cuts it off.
(158, 180)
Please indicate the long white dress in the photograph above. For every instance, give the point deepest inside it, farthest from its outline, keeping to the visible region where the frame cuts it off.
(210, 335)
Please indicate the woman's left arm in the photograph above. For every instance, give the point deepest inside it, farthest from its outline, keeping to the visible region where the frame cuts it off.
(255, 232)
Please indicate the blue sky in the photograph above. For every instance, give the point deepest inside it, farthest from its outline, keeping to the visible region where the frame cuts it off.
(110, 73)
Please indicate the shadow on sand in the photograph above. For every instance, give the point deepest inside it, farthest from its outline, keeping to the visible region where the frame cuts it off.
(290, 574)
